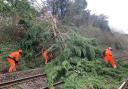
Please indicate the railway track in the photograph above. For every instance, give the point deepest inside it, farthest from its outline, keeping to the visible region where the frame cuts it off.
(124, 85)
(21, 81)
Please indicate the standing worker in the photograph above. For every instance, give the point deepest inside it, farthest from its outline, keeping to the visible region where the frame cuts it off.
(13, 59)
(45, 55)
(109, 58)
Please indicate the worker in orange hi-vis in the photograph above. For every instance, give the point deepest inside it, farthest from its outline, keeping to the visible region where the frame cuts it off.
(13, 59)
(45, 55)
(109, 58)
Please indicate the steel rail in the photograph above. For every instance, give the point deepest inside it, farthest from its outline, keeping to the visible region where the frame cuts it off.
(17, 81)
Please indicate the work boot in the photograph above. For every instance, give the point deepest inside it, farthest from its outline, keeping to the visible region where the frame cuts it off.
(114, 66)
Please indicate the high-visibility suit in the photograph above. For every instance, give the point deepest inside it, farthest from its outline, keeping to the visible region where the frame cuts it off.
(109, 58)
(45, 56)
(13, 59)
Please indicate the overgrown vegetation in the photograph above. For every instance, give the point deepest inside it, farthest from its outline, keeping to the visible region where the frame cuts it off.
(73, 39)
(78, 66)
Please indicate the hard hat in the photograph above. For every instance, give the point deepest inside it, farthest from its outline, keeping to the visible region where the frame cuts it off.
(110, 47)
(20, 50)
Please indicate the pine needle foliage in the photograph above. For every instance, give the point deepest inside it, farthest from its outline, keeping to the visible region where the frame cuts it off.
(77, 47)
(82, 47)
(77, 67)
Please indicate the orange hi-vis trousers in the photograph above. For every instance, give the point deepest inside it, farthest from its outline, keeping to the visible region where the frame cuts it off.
(12, 65)
(45, 58)
(109, 59)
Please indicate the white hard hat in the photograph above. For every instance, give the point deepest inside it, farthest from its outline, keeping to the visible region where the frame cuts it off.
(20, 50)
(110, 47)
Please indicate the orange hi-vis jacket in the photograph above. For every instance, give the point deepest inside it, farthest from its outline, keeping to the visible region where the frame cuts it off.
(15, 55)
(12, 59)
(108, 53)
(45, 56)
(109, 58)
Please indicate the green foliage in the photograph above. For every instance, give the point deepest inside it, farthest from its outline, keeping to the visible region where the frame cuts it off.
(84, 82)
(82, 47)
(4, 8)
(1, 51)
(11, 7)
(80, 5)
(36, 37)
(70, 58)
(78, 72)
(75, 55)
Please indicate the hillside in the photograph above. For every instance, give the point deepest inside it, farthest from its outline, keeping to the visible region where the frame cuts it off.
(71, 34)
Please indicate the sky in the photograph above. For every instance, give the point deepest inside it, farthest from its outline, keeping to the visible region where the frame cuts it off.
(115, 10)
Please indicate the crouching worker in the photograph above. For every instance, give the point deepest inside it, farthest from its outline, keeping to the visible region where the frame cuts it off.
(109, 58)
(13, 59)
(47, 56)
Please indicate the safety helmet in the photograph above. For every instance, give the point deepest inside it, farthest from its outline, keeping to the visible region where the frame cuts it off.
(20, 50)
(110, 48)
